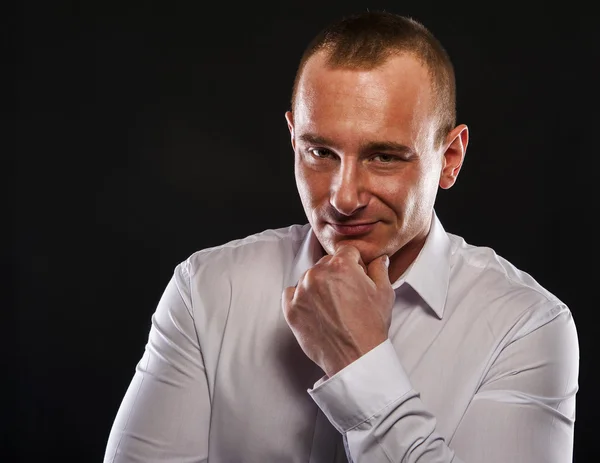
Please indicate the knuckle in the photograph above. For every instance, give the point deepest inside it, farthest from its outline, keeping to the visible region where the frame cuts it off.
(340, 263)
(325, 259)
(339, 266)
(291, 315)
(313, 276)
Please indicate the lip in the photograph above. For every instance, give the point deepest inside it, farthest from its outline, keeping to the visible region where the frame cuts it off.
(353, 229)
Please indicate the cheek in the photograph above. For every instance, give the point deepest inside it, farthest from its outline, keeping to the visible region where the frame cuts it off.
(411, 192)
(309, 186)
(421, 197)
(399, 191)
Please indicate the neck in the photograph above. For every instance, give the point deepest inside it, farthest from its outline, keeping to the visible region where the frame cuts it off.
(407, 254)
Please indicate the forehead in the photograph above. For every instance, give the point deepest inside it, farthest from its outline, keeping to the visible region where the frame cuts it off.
(393, 100)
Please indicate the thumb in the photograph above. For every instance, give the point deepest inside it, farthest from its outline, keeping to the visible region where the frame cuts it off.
(378, 271)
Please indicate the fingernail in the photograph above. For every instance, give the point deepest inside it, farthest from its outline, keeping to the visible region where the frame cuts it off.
(386, 261)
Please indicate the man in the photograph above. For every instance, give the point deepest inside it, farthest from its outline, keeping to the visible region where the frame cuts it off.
(369, 334)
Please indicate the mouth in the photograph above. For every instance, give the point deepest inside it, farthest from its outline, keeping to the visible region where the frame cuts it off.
(352, 229)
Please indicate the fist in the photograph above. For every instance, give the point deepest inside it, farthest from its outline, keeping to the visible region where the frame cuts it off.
(340, 309)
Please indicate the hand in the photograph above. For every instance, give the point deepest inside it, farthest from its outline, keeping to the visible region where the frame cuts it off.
(340, 309)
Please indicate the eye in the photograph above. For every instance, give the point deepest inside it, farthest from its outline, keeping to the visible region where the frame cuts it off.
(320, 153)
(385, 158)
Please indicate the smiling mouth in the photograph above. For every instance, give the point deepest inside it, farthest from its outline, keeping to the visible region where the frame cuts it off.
(351, 230)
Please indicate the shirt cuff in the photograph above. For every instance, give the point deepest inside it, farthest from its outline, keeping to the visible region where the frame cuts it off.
(362, 389)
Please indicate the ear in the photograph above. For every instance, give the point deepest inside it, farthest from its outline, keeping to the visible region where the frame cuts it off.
(289, 117)
(454, 155)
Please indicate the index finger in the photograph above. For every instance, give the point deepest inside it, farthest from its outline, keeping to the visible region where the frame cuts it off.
(350, 252)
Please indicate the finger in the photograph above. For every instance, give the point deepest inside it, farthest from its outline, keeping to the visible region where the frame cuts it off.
(378, 271)
(286, 299)
(323, 260)
(303, 276)
(347, 251)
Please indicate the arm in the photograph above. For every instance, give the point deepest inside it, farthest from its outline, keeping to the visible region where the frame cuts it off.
(165, 413)
(523, 411)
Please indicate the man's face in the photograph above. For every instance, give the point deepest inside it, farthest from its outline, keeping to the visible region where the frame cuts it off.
(365, 151)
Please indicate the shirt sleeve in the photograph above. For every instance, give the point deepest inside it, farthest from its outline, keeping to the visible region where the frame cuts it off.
(165, 413)
(524, 410)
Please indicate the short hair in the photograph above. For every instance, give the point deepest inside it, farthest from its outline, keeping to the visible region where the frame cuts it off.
(366, 40)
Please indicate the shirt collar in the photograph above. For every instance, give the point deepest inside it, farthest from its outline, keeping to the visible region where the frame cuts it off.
(428, 275)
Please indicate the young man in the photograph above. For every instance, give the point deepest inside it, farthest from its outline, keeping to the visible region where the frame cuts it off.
(369, 334)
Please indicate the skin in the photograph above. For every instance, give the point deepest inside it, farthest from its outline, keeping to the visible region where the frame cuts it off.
(365, 151)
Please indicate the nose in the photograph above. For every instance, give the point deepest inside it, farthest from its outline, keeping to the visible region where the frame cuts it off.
(347, 189)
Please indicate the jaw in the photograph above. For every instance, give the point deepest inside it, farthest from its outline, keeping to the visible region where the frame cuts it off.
(370, 245)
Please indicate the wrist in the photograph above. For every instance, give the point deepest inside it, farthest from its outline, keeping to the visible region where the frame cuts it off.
(347, 356)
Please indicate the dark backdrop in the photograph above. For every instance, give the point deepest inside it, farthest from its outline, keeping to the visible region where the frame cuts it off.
(146, 132)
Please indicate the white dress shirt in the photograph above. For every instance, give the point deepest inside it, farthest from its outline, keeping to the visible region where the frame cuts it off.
(481, 365)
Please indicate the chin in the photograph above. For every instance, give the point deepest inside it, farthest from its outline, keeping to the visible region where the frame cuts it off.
(371, 245)
(368, 251)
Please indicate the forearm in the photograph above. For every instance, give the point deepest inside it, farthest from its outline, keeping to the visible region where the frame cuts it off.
(165, 413)
(522, 412)
(382, 418)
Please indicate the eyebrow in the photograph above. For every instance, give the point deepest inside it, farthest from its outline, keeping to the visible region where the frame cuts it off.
(367, 146)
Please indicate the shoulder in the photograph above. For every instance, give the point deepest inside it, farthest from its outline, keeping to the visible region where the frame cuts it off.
(498, 291)
(262, 247)
(259, 253)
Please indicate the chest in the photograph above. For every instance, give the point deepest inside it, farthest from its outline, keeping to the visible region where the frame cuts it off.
(259, 377)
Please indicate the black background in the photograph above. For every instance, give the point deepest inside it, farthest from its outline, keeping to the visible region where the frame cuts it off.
(148, 131)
